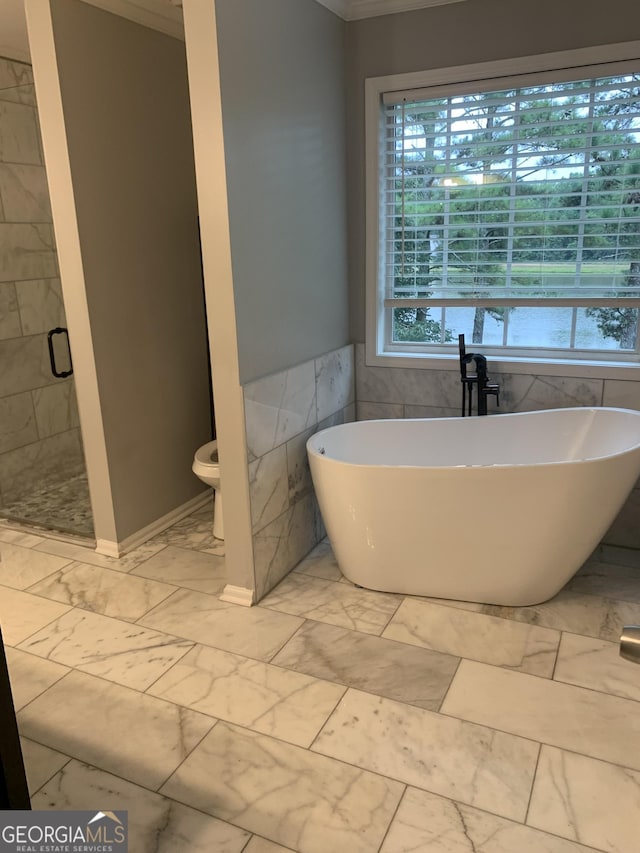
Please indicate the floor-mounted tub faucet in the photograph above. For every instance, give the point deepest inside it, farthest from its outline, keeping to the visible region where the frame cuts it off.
(485, 388)
(479, 380)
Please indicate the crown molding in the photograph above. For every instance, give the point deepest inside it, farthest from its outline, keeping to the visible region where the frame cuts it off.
(354, 10)
(164, 17)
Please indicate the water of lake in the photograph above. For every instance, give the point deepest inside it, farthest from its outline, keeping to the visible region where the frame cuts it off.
(543, 328)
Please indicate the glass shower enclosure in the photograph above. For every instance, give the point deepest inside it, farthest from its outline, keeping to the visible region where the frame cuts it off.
(43, 479)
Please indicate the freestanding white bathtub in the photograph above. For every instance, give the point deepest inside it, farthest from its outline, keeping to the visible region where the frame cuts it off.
(501, 509)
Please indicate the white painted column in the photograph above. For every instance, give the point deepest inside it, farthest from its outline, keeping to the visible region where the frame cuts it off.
(59, 176)
(206, 112)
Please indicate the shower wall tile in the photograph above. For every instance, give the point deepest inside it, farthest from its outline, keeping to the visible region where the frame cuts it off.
(25, 364)
(18, 422)
(9, 315)
(335, 381)
(19, 137)
(268, 487)
(27, 251)
(24, 94)
(33, 404)
(13, 75)
(24, 193)
(278, 407)
(40, 304)
(56, 408)
(39, 463)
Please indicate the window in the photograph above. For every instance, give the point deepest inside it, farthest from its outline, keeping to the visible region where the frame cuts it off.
(507, 207)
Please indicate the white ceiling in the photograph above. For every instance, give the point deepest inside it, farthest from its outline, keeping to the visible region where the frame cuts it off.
(164, 15)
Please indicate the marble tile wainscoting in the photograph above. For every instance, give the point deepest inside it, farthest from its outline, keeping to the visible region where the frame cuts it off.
(327, 718)
(40, 441)
(281, 412)
(398, 392)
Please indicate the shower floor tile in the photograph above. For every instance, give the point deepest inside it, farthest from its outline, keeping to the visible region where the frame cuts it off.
(329, 718)
(65, 507)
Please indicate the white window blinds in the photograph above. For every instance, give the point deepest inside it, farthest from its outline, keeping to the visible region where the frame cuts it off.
(518, 196)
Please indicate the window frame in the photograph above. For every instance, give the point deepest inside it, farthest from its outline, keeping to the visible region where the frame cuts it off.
(548, 66)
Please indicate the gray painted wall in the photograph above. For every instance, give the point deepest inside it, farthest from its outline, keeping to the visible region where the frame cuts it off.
(126, 108)
(283, 85)
(458, 34)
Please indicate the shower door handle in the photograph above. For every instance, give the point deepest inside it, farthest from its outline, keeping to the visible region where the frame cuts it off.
(60, 374)
(630, 643)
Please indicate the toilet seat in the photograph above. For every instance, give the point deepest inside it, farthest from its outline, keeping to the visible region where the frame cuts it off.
(207, 468)
(205, 463)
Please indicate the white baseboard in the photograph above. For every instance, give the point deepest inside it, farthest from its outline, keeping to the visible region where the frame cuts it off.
(108, 548)
(237, 595)
(117, 549)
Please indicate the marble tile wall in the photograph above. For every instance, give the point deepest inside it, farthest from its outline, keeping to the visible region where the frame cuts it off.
(281, 412)
(39, 427)
(393, 392)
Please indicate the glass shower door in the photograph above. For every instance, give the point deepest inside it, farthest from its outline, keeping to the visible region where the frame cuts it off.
(42, 470)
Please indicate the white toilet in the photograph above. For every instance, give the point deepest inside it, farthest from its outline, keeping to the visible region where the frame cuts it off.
(206, 467)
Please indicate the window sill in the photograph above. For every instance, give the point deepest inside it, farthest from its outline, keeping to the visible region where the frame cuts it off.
(525, 366)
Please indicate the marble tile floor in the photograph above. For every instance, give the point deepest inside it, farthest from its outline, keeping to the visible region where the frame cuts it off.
(328, 719)
(63, 506)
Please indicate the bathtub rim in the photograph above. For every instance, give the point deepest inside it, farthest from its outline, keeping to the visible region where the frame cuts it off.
(312, 451)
